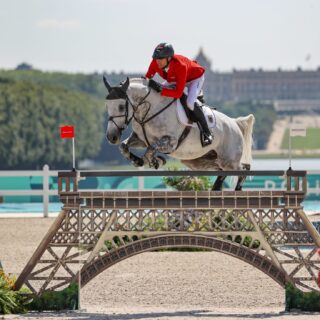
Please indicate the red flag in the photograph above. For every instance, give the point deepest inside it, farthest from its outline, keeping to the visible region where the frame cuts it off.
(67, 132)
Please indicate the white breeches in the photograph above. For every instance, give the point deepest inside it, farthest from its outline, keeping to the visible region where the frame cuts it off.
(194, 88)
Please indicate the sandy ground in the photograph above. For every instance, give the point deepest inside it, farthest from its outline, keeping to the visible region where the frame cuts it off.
(165, 285)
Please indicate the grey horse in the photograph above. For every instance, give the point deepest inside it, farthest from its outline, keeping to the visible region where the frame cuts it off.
(157, 128)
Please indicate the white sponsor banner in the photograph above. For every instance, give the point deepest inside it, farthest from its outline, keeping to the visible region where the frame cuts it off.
(297, 131)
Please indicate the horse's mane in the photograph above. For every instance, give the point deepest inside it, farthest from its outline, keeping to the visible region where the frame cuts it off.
(139, 80)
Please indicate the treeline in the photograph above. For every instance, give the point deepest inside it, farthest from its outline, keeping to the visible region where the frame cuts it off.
(30, 117)
(91, 84)
(34, 104)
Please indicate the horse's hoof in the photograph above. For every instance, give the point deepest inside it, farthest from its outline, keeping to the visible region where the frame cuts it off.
(154, 164)
(138, 162)
(161, 160)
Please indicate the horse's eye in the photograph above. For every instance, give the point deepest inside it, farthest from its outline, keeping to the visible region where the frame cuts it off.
(121, 107)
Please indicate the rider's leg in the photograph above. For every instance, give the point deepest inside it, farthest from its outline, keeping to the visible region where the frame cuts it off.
(194, 88)
(203, 123)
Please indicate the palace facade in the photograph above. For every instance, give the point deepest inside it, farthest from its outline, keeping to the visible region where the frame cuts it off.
(289, 90)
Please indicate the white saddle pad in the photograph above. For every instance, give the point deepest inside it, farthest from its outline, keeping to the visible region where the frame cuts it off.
(208, 112)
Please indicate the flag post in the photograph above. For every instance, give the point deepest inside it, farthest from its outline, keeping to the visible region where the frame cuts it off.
(67, 132)
(73, 156)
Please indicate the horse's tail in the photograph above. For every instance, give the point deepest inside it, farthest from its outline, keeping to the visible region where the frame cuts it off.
(246, 126)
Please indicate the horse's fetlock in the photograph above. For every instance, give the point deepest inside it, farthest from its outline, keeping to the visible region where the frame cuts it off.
(124, 148)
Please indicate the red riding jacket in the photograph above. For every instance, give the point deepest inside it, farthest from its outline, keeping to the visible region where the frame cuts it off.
(181, 70)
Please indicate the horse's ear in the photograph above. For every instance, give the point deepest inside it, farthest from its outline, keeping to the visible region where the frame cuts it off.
(106, 83)
(125, 86)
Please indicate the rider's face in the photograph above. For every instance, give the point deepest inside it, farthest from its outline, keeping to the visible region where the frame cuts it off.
(162, 63)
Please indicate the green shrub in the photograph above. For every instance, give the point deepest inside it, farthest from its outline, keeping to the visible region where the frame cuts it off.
(11, 301)
(305, 301)
(66, 299)
(188, 183)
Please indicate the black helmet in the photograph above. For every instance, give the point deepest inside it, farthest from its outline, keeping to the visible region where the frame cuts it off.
(163, 50)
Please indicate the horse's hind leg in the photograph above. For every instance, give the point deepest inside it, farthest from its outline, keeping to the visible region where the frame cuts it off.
(135, 142)
(242, 179)
(217, 186)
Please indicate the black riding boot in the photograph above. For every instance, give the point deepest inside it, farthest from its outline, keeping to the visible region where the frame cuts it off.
(201, 120)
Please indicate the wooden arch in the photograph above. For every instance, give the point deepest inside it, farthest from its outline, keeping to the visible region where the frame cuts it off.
(105, 261)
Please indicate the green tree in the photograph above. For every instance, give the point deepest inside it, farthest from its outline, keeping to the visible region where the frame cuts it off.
(30, 117)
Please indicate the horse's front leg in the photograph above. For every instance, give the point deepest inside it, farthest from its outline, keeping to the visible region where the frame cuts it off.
(163, 145)
(134, 142)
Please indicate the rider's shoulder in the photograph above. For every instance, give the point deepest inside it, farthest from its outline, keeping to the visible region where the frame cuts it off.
(179, 59)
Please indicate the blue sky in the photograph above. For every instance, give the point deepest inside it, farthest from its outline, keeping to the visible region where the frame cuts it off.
(119, 35)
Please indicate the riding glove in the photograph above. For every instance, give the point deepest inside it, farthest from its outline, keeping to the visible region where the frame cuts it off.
(155, 85)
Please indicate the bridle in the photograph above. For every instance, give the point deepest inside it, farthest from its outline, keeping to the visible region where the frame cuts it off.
(127, 120)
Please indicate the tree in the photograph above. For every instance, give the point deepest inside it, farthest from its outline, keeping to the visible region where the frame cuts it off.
(30, 117)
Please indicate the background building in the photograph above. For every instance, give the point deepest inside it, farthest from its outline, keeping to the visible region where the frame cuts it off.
(290, 90)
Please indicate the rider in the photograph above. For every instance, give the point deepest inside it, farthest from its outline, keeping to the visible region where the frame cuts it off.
(185, 73)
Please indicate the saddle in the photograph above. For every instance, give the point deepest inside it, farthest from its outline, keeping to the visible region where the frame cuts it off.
(188, 112)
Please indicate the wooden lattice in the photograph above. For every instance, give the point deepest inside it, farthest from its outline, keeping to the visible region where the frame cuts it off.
(96, 229)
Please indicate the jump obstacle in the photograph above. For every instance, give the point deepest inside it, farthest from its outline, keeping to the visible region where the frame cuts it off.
(97, 229)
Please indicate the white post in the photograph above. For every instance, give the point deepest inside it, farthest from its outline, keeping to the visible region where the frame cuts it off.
(45, 184)
(79, 252)
(141, 180)
(290, 149)
(290, 126)
(73, 156)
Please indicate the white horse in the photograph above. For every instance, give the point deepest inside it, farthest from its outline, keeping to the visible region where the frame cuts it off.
(157, 128)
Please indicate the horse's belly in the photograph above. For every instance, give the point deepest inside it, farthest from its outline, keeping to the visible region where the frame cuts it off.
(192, 149)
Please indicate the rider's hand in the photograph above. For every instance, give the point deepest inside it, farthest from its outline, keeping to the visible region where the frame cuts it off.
(155, 85)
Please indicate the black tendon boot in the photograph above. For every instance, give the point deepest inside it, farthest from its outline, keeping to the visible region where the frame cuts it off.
(203, 126)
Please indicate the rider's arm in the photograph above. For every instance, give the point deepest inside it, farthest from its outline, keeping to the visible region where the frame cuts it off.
(181, 76)
(152, 69)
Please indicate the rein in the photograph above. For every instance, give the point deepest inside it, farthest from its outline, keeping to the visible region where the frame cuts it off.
(142, 122)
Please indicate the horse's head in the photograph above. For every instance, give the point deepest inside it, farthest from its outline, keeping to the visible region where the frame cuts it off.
(118, 110)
